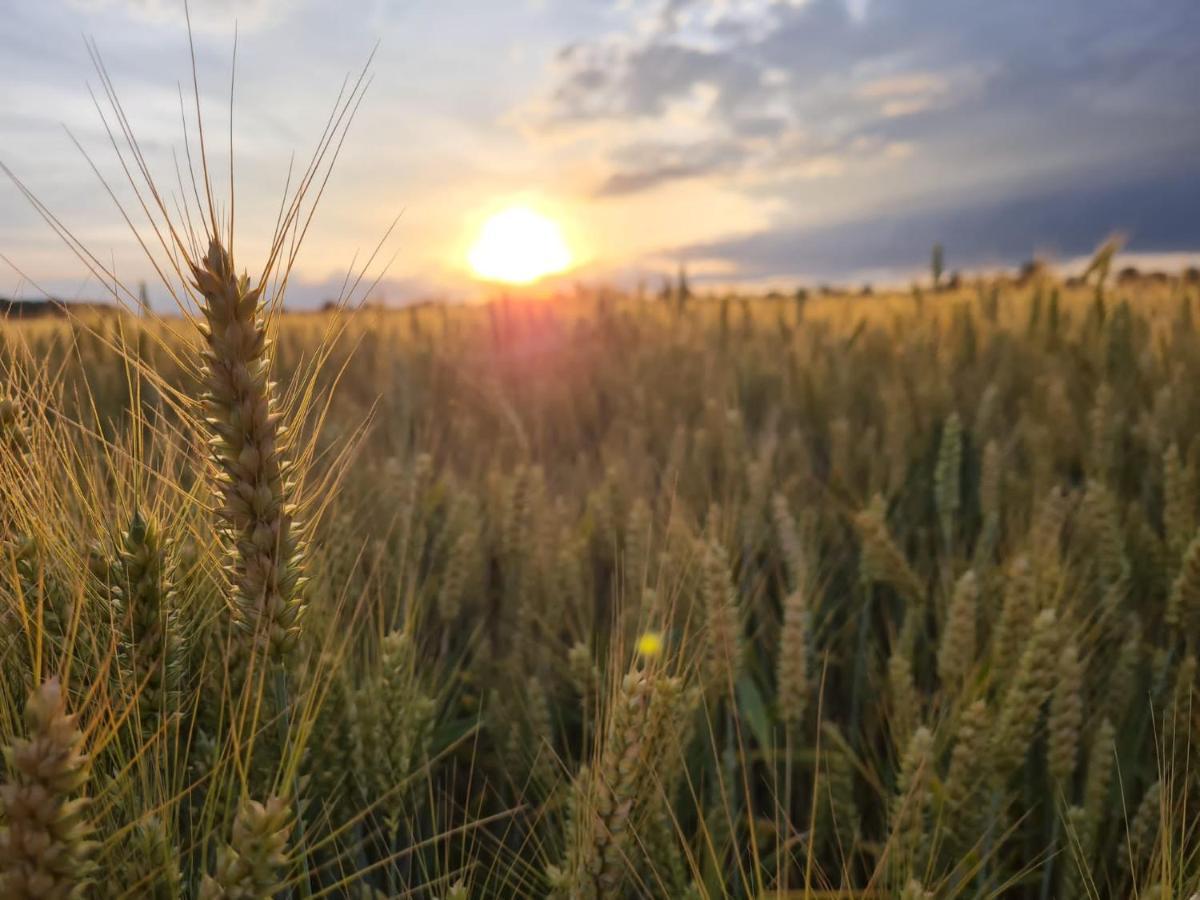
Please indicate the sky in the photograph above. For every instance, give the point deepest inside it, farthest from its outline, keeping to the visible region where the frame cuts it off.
(755, 141)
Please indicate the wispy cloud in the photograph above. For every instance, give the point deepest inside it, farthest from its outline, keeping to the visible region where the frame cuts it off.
(220, 16)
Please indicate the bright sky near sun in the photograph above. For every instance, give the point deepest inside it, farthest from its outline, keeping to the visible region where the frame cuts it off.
(518, 245)
(755, 140)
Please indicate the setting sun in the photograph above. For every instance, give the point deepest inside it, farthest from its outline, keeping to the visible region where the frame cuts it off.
(518, 246)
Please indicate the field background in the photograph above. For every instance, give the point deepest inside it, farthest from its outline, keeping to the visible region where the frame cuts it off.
(614, 596)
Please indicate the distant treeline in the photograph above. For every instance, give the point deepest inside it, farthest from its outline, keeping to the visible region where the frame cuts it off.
(36, 309)
(672, 289)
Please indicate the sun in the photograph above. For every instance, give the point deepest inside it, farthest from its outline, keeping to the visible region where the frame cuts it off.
(518, 246)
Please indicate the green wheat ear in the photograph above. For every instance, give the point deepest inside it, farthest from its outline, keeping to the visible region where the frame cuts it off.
(1066, 717)
(150, 639)
(1100, 767)
(914, 890)
(1183, 606)
(611, 801)
(909, 814)
(969, 776)
(1046, 537)
(1144, 829)
(956, 653)
(254, 864)
(1179, 503)
(991, 493)
(1030, 686)
(396, 718)
(947, 478)
(724, 650)
(150, 867)
(882, 559)
(1100, 523)
(1017, 612)
(904, 709)
(336, 751)
(792, 683)
(838, 820)
(1123, 679)
(795, 555)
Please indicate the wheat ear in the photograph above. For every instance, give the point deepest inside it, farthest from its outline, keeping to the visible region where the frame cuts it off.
(44, 851)
(248, 444)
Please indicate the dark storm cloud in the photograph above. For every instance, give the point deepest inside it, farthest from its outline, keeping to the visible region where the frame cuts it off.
(1018, 90)
(1155, 211)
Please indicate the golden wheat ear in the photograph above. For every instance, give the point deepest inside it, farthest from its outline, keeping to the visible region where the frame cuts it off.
(255, 494)
(44, 850)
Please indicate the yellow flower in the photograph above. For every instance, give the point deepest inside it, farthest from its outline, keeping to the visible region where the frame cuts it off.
(650, 644)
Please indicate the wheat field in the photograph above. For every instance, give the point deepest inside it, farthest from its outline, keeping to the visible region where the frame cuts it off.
(685, 596)
(695, 595)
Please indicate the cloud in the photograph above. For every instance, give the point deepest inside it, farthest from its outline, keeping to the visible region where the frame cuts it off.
(1156, 210)
(642, 166)
(905, 86)
(206, 15)
(654, 125)
(836, 108)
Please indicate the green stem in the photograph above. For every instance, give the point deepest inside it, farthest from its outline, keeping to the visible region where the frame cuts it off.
(1048, 872)
(285, 727)
(860, 661)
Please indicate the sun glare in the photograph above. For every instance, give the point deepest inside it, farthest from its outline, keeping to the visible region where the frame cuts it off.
(518, 246)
